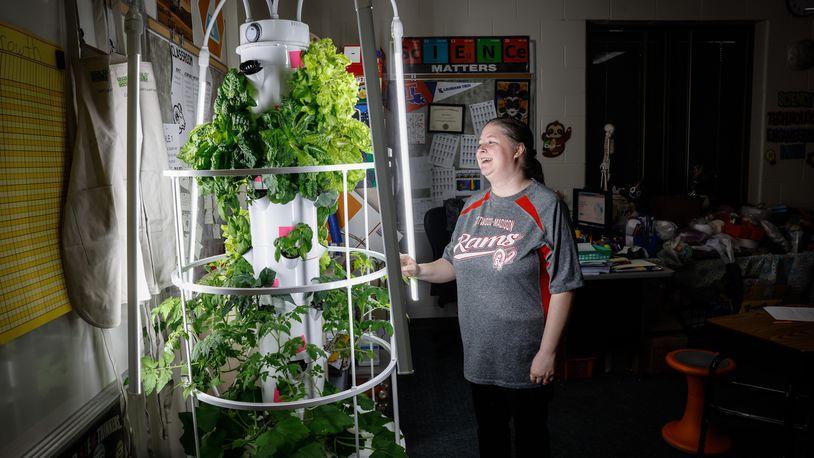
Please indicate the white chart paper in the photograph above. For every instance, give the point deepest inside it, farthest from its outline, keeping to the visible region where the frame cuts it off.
(184, 91)
(443, 183)
(469, 146)
(481, 112)
(443, 149)
(173, 143)
(791, 313)
(420, 208)
(420, 172)
(416, 128)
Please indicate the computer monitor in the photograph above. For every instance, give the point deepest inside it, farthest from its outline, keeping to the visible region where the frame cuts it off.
(593, 210)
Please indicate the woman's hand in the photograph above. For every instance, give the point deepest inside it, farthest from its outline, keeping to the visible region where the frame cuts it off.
(409, 268)
(542, 367)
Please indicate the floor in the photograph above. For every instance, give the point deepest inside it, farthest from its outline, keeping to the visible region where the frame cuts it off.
(615, 415)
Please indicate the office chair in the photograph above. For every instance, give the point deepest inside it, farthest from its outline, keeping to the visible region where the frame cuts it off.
(438, 233)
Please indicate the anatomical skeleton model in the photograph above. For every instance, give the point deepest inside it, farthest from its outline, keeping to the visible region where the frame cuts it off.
(608, 150)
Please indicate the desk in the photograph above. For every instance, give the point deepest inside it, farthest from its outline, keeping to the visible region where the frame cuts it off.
(796, 336)
(619, 305)
(636, 275)
(790, 341)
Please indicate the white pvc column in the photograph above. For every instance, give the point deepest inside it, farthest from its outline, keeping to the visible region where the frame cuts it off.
(133, 27)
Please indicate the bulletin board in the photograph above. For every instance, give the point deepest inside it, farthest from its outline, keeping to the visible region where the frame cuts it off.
(32, 182)
(443, 165)
(454, 85)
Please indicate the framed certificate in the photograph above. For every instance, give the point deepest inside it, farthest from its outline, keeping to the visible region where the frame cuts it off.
(446, 118)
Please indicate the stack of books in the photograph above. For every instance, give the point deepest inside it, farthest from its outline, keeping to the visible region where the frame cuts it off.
(593, 261)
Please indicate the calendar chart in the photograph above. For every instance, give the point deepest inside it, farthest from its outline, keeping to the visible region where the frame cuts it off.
(32, 178)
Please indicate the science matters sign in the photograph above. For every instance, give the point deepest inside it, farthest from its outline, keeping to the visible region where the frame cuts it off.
(466, 54)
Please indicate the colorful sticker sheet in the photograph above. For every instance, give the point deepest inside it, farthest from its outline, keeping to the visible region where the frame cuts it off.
(443, 149)
(469, 148)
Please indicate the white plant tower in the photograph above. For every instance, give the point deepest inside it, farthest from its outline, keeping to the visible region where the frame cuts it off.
(270, 44)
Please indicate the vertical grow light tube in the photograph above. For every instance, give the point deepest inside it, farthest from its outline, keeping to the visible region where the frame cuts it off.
(397, 32)
(133, 26)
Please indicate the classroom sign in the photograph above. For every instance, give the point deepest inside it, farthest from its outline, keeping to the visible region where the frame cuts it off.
(466, 54)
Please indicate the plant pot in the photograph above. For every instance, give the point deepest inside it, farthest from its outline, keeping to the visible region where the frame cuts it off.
(268, 221)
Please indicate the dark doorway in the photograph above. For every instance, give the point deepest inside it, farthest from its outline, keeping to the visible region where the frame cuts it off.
(679, 96)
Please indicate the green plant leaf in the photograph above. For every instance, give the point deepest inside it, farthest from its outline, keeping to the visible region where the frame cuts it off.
(207, 416)
(365, 402)
(266, 277)
(384, 444)
(312, 450)
(212, 443)
(328, 419)
(327, 199)
(282, 438)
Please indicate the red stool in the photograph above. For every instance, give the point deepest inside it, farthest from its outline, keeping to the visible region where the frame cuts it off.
(684, 434)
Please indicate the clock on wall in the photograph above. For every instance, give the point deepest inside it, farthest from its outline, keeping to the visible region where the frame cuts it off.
(800, 8)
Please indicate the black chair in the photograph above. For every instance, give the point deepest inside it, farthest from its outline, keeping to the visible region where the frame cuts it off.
(439, 233)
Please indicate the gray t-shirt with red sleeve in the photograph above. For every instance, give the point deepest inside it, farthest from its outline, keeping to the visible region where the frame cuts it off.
(510, 255)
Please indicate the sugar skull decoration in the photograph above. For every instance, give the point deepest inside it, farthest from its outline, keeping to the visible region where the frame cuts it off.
(554, 139)
(513, 100)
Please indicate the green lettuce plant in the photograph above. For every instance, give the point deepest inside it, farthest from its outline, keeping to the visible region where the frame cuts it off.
(312, 126)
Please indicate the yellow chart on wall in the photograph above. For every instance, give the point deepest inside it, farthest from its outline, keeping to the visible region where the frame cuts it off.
(32, 180)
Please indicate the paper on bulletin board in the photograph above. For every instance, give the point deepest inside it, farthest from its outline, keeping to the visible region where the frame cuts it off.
(469, 148)
(173, 143)
(416, 128)
(184, 91)
(443, 183)
(480, 113)
(420, 208)
(420, 172)
(443, 150)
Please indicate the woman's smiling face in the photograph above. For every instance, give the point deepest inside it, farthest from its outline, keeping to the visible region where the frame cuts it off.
(498, 155)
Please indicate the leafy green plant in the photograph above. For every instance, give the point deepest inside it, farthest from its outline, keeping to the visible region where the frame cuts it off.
(230, 333)
(229, 141)
(296, 243)
(312, 126)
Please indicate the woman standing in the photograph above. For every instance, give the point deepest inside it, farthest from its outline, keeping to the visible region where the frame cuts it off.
(515, 261)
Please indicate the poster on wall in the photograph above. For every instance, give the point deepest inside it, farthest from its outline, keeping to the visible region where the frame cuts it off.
(512, 99)
(200, 18)
(417, 94)
(466, 54)
(446, 89)
(467, 182)
(184, 95)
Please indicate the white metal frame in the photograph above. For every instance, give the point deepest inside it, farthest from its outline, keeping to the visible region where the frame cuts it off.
(183, 279)
(399, 354)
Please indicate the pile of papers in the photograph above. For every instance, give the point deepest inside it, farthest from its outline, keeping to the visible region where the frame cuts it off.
(597, 267)
(633, 265)
(591, 261)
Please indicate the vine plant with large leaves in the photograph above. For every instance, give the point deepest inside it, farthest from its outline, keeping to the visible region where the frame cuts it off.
(312, 126)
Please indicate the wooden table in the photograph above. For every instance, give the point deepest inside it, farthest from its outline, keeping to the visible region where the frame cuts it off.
(793, 341)
(797, 336)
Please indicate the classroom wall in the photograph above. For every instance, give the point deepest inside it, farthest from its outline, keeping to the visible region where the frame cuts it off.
(558, 26)
(51, 372)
